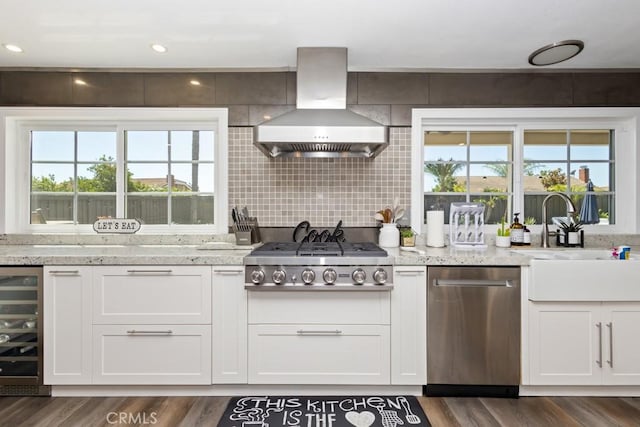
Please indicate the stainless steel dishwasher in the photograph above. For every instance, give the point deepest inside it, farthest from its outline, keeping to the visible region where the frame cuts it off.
(473, 331)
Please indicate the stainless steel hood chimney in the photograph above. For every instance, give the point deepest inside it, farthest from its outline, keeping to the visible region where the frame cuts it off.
(321, 126)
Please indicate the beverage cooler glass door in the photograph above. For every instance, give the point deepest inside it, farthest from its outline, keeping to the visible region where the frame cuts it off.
(20, 326)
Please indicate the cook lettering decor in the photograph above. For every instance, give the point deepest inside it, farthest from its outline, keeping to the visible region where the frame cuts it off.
(116, 225)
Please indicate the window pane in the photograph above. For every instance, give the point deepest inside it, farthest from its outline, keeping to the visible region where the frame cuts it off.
(191, 209)
(150, 208)
(590, 144)
(445, 146)
(99, 177)
(147, 177)
(496, 206)
(445, 177)
(193, 177)
(94, 146)
(553, 176)
(147, 145)
(494, 177)
(92, 206)
(50, 145)
(545, 145)
(192, 145)
(51, 177)
(598, 173)
(52, 208)
(490, 146)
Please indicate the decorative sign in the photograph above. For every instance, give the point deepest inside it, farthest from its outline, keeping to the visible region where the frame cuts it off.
(116, 225)
(304, 233)
(325, 411)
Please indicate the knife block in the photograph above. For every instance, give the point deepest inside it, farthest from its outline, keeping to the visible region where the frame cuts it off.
(248, 234)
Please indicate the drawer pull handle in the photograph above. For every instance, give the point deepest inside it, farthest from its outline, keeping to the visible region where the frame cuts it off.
(610, 326)
(135, 332)
(409, 272)
(149, 271)
(228, 272)
(321, 332)
(471, 282)
(54, 272)
(599, 361)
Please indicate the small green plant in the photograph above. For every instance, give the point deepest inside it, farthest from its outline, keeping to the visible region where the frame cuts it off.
(406, 232)
(529, 220)
(603, 214)
(504, 229)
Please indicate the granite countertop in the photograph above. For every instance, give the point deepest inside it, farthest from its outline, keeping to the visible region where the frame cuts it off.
(222, 254)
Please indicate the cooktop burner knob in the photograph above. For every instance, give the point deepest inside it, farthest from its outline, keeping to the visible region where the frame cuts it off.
(380, 276)
(308, 276)
(278, 276)
(257, 276)
(358, 276)
(329, 276)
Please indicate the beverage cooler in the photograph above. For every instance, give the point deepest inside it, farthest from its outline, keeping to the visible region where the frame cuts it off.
(21, 331)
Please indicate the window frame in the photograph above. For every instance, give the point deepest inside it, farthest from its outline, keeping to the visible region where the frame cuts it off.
(623, 121)
(16, 123)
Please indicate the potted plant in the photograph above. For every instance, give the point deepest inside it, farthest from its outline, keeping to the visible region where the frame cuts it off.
(503, 238)
(408, 237)
(571, 232)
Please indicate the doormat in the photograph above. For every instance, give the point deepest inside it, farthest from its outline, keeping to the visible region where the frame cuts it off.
(323, 411)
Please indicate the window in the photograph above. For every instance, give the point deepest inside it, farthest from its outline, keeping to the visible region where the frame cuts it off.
(165, 167)
(468, 166)
(511, 159)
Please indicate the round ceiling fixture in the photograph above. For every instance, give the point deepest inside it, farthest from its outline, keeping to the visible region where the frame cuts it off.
(556, 52)
(13, 48)
(159, 48)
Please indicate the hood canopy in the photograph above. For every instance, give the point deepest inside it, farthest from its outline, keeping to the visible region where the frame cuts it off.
(321, 126)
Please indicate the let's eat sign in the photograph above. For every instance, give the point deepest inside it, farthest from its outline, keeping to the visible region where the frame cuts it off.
(116, 225)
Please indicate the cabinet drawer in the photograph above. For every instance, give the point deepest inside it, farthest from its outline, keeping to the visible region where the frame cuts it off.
(356, 308)
(319, 354)
(143, 354)
(152, 294)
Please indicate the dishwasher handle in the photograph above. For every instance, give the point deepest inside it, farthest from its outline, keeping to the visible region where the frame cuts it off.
(472, 283)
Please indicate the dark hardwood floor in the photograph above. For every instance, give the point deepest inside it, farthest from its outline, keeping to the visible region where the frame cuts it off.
(205, 411)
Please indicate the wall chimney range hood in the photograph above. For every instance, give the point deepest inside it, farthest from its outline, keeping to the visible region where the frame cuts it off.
(321, 126)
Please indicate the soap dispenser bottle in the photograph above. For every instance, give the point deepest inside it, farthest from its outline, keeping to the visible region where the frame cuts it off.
(517, 231)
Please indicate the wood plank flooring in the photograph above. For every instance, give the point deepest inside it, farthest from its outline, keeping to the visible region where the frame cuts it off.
(205, 411)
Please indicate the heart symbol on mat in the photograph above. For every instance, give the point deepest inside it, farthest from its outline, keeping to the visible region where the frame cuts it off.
(360, 419)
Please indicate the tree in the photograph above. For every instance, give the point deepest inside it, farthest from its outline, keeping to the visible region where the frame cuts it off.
(444, 174)
(48, 183)
(551, 178)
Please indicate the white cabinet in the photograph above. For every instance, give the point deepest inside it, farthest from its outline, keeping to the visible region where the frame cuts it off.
(229, 326)
(67, 325)
(151, 354)
(319, 337)
(152, 294)
(409, 326)
(584, 343)
(127, 325)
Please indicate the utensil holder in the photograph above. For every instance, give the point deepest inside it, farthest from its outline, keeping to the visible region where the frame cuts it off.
(248, 227)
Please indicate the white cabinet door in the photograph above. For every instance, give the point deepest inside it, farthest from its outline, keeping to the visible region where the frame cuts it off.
(152, 295)
(565, 342)
(229, 325)
(152, 354)
(319, 354)
(409, 326)
(621, 324)
(67, 325)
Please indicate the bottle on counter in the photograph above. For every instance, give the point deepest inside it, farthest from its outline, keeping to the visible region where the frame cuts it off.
(517, 231)
(527, 237)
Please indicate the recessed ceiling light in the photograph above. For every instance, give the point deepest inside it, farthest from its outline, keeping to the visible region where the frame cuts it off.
(159, 48)
(13, 48)
(80, 82)
(194, 82)
(556, 52)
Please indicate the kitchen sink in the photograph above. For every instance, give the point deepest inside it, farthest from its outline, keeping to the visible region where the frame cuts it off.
(570, 254)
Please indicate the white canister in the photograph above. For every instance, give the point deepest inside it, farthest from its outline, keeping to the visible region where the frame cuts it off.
(435, 228)
(389, 235)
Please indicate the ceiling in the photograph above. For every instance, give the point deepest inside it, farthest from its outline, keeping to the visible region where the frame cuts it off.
(263, 35)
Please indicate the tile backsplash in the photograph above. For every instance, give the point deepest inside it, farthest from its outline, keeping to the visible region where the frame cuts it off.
(283, 192)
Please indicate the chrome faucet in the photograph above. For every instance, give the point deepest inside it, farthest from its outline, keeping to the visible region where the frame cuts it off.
(571, 209)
